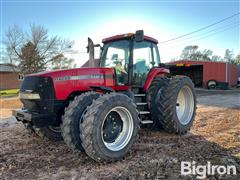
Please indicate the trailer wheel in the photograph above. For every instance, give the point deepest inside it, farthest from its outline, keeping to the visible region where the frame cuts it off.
(212, 84)
(174, 105)
(73, 116)
(52, 133)
(110, 127)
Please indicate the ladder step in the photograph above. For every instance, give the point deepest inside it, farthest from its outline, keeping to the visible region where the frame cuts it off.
(139, 95)
(141, 103)
(144, 112)
(147, 122)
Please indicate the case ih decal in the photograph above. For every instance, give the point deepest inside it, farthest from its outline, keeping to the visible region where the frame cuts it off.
(81, 77)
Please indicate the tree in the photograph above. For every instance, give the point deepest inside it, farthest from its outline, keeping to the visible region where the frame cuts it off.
(228, 57)
(32, 62)
(237, 59)
(206, 55)
(34, 51)
(192, 52)
(216, 58)
(63, 63)
(189, 51)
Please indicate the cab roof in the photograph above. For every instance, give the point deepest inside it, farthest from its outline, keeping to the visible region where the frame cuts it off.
(127, 36)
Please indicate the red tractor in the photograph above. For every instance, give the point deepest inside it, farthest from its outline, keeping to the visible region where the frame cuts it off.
(100, 109)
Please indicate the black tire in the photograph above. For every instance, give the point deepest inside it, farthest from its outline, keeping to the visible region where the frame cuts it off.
(154, 88)
(52, 133)
(44, 132)
(72, 117)
(212, 84)
(164, 104)
(93, 132)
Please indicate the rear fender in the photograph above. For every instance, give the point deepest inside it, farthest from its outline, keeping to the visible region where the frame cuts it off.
(154, 72)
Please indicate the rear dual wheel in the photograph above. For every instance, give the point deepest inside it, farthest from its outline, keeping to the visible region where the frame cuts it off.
(173, 103)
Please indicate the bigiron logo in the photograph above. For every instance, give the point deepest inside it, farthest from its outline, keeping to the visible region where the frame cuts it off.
(202, 171)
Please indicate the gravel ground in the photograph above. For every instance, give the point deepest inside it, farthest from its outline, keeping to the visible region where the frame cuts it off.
(215, 137)
(226, 101)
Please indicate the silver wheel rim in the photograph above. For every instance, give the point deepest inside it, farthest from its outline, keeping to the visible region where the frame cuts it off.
(185, 105)
(212, 83)
(56, 129)
(127, 129)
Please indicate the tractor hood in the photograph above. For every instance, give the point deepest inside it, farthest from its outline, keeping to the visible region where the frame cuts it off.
(68, 73)
(69, 81)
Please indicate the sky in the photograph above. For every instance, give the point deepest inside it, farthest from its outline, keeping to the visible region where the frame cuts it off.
(163, 20)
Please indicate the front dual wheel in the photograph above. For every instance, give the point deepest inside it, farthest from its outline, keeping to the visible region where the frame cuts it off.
(110, 127)
(105, 127)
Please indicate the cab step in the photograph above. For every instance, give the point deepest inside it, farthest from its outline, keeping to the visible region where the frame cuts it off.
(146, 122)
(141, 103)
(139, 95)
(144, 112)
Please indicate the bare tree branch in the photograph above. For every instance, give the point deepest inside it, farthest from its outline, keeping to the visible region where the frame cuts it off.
(33, 50)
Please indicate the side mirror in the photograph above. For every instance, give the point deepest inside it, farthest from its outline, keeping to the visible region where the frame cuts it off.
(139, 36)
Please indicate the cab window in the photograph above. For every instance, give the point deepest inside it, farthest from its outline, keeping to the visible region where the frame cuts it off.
(144, 58)
(116, 55)
(156, 55)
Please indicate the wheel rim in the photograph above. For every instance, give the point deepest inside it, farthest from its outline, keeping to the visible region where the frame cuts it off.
(117, 128)
(185, 105)
(212, 84)
(56, 129)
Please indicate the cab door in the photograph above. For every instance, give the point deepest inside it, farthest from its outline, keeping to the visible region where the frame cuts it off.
(145, 57)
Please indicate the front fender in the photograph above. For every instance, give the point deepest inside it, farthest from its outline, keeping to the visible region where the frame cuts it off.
(154, 72)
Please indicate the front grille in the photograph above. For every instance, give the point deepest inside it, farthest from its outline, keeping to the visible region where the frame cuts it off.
(44, 87)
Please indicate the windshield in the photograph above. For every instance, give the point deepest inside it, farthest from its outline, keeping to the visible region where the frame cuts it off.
(114, 53)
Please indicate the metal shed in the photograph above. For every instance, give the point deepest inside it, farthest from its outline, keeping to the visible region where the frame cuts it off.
(9, 76)
(202, 72)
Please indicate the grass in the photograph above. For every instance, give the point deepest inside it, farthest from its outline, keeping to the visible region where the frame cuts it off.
(9, 92)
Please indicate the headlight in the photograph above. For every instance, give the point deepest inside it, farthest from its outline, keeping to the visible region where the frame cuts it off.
(29, 95)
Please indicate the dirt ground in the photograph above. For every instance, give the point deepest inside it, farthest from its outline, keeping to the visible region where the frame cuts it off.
(214, 137)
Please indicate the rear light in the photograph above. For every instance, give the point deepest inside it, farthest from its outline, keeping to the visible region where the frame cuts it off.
(179, 65)
(128, 35)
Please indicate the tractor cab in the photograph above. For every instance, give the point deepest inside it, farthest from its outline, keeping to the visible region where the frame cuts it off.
(131, 55)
